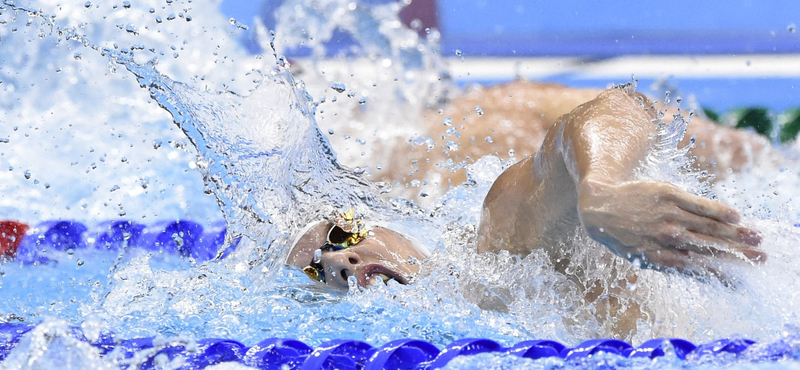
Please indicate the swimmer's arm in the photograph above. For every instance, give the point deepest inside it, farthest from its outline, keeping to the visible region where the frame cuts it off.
(583, 176)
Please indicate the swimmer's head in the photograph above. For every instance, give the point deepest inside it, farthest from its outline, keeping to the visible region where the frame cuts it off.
(328, 253)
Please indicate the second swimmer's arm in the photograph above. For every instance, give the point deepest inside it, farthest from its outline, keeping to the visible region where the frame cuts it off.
(583, 176)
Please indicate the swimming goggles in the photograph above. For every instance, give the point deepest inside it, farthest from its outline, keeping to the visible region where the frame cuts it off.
(347, 231)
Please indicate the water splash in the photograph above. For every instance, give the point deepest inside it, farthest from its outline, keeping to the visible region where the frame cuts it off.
(251, 124)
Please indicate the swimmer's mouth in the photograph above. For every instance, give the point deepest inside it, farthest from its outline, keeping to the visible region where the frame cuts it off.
(370, 273)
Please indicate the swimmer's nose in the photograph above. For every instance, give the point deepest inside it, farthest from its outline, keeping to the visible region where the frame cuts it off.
(339, 266)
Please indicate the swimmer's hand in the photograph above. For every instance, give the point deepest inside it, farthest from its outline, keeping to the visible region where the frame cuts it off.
(665, 227)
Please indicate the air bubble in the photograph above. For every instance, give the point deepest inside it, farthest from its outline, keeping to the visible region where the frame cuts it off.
(362, 101)
(448, 121)
(791, 28)
(126, 4)
(77, 56)
(489, 139)
(330, 131)
(27, 174)
(3, 140)
(114, 188)
(171, 16)
(458, 53)
(478, 110)
(87, 4)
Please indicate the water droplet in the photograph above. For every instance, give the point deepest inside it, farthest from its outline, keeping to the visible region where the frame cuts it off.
(87, 4)
(330, 131)
(317, 256)
(602, 230)
(188, 18)
(131, 29)
(352, 283)
(351, 94)
(77, 56)
(177, 239)
(158, 19)
(458, 53)
(4, 140)
(448, 121)
(489, 139)
(114, 188)
(80, 262)
(152, 10)
(126, 4)
(171, 16)
(791, 28)
(27, 174)
(511, 152)
(362, 101)
(452, 146)
(156, 144)
(478, 110)
(338, 87)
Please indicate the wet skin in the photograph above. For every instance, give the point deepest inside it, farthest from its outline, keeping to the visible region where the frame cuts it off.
(582, 176)
(383, 253)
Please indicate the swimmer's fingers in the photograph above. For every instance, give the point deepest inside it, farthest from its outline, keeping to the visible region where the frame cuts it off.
(705, 207)
(718, 229)
(685, 262)
(705, 245)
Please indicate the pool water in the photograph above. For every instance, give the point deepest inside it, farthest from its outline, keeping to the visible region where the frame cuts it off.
(150, 110)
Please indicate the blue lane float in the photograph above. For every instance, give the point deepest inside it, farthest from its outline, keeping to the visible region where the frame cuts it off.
(285, 353)
(188, 239)
(191, 240)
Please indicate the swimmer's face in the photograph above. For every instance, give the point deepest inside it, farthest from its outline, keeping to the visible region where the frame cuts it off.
(383, 253)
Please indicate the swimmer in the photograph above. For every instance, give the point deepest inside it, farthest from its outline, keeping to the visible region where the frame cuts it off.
(582, 176)
(515, 117)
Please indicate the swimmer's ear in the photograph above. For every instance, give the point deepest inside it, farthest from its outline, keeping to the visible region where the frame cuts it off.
(306, 242)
